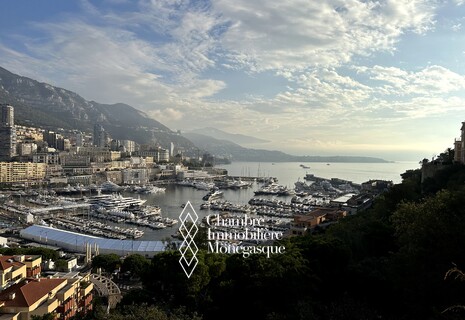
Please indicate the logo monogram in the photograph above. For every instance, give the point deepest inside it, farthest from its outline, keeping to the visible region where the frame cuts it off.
(188, 248)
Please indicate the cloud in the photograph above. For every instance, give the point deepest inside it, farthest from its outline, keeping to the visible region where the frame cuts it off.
(432, 80)
(456, 27)
(165, 114)
(458, 2)
(296, 34)
(110, 62)
(173, 60)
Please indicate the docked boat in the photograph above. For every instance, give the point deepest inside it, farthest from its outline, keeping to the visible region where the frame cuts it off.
(148, 189)
(115, 201)
(121, 213)
(202, 185)
(213, 195)
(109, 186)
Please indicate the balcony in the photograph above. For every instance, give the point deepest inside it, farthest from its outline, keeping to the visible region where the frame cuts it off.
(86, 288)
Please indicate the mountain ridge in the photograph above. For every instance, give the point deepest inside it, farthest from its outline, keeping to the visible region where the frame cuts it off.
(237, 138)
(50, 107)
(235, 152)
(41, 104)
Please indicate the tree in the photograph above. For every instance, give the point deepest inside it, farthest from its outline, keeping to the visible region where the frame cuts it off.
(108, 262)
(47, 316)
(61, 265)
(136, 264)
(431, 237)
(146, 312)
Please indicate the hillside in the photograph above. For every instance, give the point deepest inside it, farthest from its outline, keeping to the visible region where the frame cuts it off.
(237, 138)
(43, 105)
(235, 152)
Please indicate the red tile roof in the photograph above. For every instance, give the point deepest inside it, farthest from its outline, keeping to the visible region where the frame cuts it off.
(5, 264)
(26, 294)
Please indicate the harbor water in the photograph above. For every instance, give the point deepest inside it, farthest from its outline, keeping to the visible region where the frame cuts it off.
(287, 173)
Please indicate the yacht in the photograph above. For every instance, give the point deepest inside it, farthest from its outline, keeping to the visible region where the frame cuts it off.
(212, 195)
(109, 186)
(148, 189)
(202, 185)
(115, 201)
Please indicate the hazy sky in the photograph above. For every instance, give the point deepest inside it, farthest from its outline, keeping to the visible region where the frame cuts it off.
(356, 77)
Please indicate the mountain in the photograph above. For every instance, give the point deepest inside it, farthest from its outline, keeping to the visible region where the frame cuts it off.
(43, 105)
(233, 151)
(223, 135)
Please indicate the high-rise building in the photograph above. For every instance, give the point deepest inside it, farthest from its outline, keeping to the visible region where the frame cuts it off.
(129, 145)
(100, 136)
(7, 133)
(79, 137)
(8, 116)
(51, 138)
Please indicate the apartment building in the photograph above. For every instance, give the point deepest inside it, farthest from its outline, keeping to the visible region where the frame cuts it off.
(21, 171)
(24, 294)
(14, 269)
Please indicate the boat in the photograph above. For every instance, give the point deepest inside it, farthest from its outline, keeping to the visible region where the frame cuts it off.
(310, 177)
(115, 201)
(121, 213)
(148, 189)
(212, 195)
(109, 186)
(304, 166)
(202, 185)
(239, 184)
(205, 205)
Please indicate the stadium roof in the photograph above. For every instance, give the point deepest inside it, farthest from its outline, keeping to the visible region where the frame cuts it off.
(77, 242)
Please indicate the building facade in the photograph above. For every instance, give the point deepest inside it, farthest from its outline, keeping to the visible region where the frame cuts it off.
(100, 136)
(459, 145)
(7, 133)
(22, 171)
(23, 293)
(65, 297)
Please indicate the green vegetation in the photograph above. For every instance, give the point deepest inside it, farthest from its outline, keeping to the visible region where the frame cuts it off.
(107, 262)
(47, 316)
(136, 265)
(145, 312)
(389, 262)
(61, 265)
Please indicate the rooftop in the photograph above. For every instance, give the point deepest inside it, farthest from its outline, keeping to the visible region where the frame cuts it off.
(77, 242)
(7, 262)
(29, 292)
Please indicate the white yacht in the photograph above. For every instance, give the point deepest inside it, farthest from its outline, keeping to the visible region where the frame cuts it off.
(115, 201)
(109, 186)
(212, 195)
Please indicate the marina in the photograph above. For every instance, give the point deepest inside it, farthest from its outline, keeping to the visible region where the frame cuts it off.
(156, 214)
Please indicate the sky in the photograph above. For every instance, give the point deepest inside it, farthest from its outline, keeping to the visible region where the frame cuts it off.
(379, 78)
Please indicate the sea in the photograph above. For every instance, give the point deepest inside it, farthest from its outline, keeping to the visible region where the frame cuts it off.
(172, 200)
